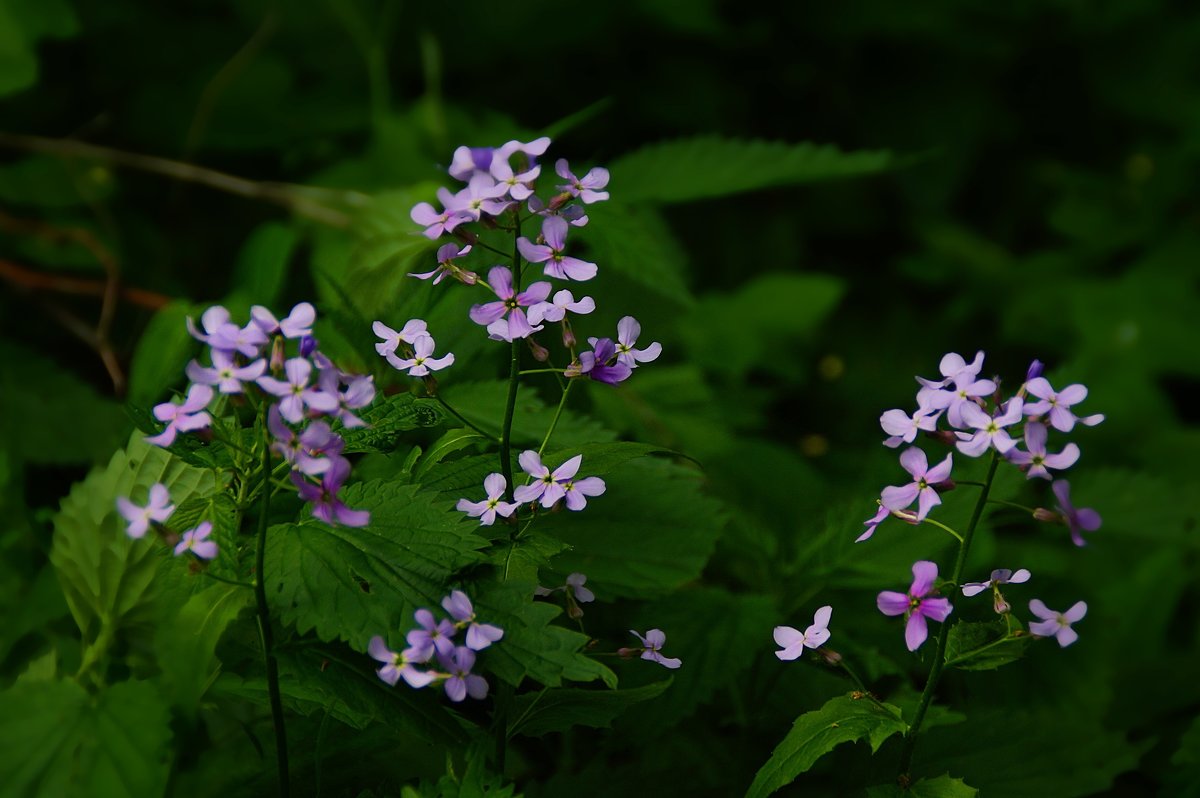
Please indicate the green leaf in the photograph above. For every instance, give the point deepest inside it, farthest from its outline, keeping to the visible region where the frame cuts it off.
(262, 265)
(23, 23)
(107, 576)
(1183, 779)
(557, 710)
(452, 441)
(710, 166)
(637, 243)
(186, 647)
(944, 786)
(814, 734)
(56, 740)
(651, 531)
(985, 646)
(387, 419)
(352, 583)
(483, 404)
(161, 355)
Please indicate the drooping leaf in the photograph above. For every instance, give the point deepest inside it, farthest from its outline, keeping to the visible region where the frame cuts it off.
(351, 583)
(814, 734)
(711, 166)
(557, 710)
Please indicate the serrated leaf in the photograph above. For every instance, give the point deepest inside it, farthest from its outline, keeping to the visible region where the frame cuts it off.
(186, 646)
(944, 786)
(349, 583)
(483, 404)
(557, 710)
(56, 740)
(711, 166)
(387, 419)
(636, 242)
(814, 734)
(985, 646)
(452, 441)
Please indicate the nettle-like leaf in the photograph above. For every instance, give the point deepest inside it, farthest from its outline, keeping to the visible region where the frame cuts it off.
(636, 243)
(387, 419)
(532, 647)
(56, 740)
(985, 646)
(106, 576)
(711, 166)
(944, 786)
(814, 734)
(349, 583)
(557, 710)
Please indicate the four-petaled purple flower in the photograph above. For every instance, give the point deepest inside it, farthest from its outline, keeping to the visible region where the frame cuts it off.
(156, 512)
(296, 393)
(360, 392)
(446, 266)
(1079, 520)
(482, 195)
(187, 416)
(917, 605)
(225, 373)
(222, 334)
(1056, 624)
(462, 682)
(921, 489)
(298, 323)
(965, 393)
(422, 362)
(196, 541)
(564, 267)
(1058, 404)
(903, 428)
(1037, 460)
(1000, 576)
(479, 635)
(506, 320)
(398, 665)
(326, 504)
(487, 510)
(587, 188)
(628, 331)
(310, 451)
(601, 363)
(794, 641)
(564, 301)
(437, 223)
(550, 486)
(953, 365)
(434, 635)
(574, 586)
(652, 645)
(989, 430)
(392, 339)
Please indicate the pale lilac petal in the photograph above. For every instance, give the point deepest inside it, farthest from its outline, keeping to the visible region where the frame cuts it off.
(487, 313)
(1038, 608)
(568, 469)
(456, 689)
(1088, 519)
(482, 635)
(378, 650)
(890, 602)
(494, 484)
(1064, 459)
(975, 588)
(1047, 628)
(477, 686)
(1072, 395)
(1077, 611)
(590, 486)
(792, 641)
(534, 253)
(1019, 576)
(940, 472)
(899, 497)
(1039, 387)
(924, 574)
(926, 501)
(937, 609)
(1066, 636)
(914, 462)
(916, 631)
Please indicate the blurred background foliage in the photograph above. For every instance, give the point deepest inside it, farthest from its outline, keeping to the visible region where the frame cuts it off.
(811, 204)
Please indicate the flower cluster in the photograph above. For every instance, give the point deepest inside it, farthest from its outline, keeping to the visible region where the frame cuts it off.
(651, 649)
(155, 515)
(500, 193)
(546, 488)
(433, 639)
(308, 395)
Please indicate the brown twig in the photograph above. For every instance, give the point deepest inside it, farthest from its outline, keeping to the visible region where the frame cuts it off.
(26, 277)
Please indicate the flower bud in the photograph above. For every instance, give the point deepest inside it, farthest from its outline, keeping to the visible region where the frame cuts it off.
(465, 235)
(466, 277)
(944, 486)
(999, 604)
(830, 656)
(308, 345)
(1048, 516)
(277, 354)
(1034, 371)
(568, 335)
(628, 653)
(540, 353)
(574, 611)
(431, 385)
(559, 200)
(944, 435)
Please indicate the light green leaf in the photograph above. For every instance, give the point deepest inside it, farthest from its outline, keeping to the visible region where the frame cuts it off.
(710, 166)
(349, 583)
(814, 734)
(557, 710)
(56, 740)
(452, 441)
(944, 786)
(262, 265)
(636, 242)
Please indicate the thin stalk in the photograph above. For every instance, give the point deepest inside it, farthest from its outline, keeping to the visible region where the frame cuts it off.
(939, 657)
(464, 419)
(940, 525)
(514, 378)
(557, 414)
(264, 620)
(1014, 505)
(542, 371)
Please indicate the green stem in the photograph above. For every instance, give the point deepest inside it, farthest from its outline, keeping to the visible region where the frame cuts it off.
(514, 380)
(1011, 504)
(854, 677)
(940, 525)
(557, 414)
(211, 575)
(264, 619)
(464, 419)
(939, 657)
(541, 371)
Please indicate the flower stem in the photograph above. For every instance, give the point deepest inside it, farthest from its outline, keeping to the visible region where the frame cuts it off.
(1011, 504)
(939, 657)
(542, 371)
(464, 419)
(514, 379)
(557, 414)
(264, 619)
(940, 525)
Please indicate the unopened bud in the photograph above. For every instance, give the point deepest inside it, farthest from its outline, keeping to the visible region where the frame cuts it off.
(574, 611)
(831, 657)
(1048, 516)
(628, 653)
(465, 235)
(999, 604)
(540, 353)
(568, 335)
(559, 200)
(1034, 371)
(308, 345)
(431, 386)
(944, 435)
(944, 485)
(466, 277)
(277, 355)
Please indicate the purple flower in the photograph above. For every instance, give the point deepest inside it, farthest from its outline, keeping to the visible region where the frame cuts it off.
(360, 392)
(903, 428)
(326, 504)
(953, 365)
(482, 195)
(549, 486)
(921, 488)
(554, 233)
(575, 215)
(917, 604)
(397, 666)
(469, 161)
(296, 392)
(462, 682)
(652, 645)
(422, 362)
(225, 373)
(1079, 520)
(434, 635)
(505, 320)
(221, 333)
(794, 641)
(965, 393)
(494, 504)
(479, 635)
(446, 266)
(1037, 459)
(1034, 371)
(517, 184)
(574, 585)
(989, 430)
(1056, 624)
(435, 223)
(532, 151)
(1058, 404)
(157, 511)
(628, 331)
(564, 301)
(873, 522)
(196, 541)
(586, 189)
(187, 416)
(601, 363)
(575, 491)
(1000, 576)
(392, 339)
(298, 324)
(311, 451)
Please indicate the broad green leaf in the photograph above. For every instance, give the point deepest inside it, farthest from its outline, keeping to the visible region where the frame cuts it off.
(1183, 778)
(814, 734)
(483, 404)
(651, 531)
(107, 577)
(349, 583)
(452, 441)
(944, 786)
(262, 266)
(388, 418)
(186, 645)
(56, 740)
(985, 646)
(23, 23)
(531, 646)
(635, 242)
(161, 355)
(558, 710)
(711, 166)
